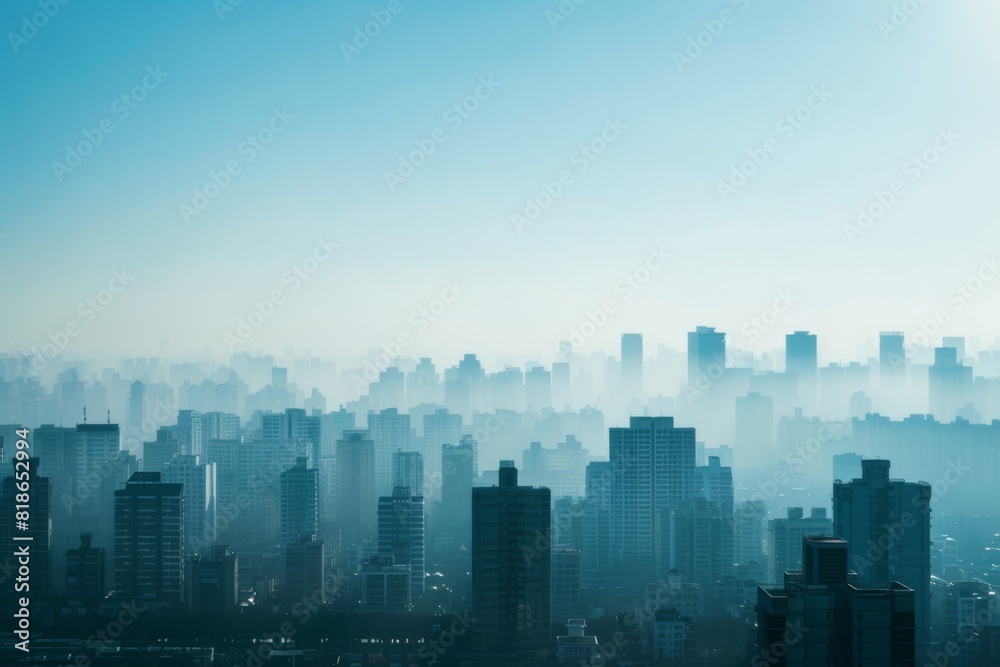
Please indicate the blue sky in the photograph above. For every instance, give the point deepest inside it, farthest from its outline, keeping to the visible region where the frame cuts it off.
(558, 85)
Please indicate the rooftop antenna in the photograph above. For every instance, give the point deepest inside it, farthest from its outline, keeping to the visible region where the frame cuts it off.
(84, 413)
(109, 415)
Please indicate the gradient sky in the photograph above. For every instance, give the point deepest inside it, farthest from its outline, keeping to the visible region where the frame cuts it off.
(655, 186)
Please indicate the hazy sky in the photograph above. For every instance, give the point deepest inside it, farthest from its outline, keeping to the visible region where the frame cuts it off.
(339, 112)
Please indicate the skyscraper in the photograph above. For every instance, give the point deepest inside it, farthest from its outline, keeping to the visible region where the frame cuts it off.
(631, 351)
(149, 541)
(891, 371)
(390, 432)
(511, 591)
(801, 361)
(706, 353)
(305, 571)
(408, 471)
(654, 465)
(453, 518)
(949, 384)
(401, 534)
(85, 582)
(214, 581)
(821, 615)
(784, 539)
(887, 523)
(356, 499)
(299, 501)
(440, 428)
(200, 499)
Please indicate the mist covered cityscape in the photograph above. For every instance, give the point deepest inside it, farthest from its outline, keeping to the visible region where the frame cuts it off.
(532, 333)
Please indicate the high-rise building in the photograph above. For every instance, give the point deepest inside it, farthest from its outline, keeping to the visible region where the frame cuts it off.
(631, 380)
(654, 465)
(200, 497)
(408, 471)
(305, 571)
(453, 518)
(299, 501)
(440, 428)
(562, 469)
(715, 483)
(390, 432)
(891, 371)
(706, 354)
(537, 389)
(566, 585)
(801, 361)
(598, 536)
(385, 585)
(696, 540)
(401, 534)
(887, 523)
(85, 582)
(823, 616)
(356, 498)
(149, 541)
(949, 384)
(750, 539)
(784, 539)
(511, 578)
(214, 581)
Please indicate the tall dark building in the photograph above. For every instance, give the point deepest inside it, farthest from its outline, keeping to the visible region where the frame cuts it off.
(85, 582)
(822, 615)
(453, 517)
(299, 501)
(886, 523)
(511, 577)
(304, 571)
(215, 585)
(401, 533)
(632, 365)
(356, 500)
(149, 541)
